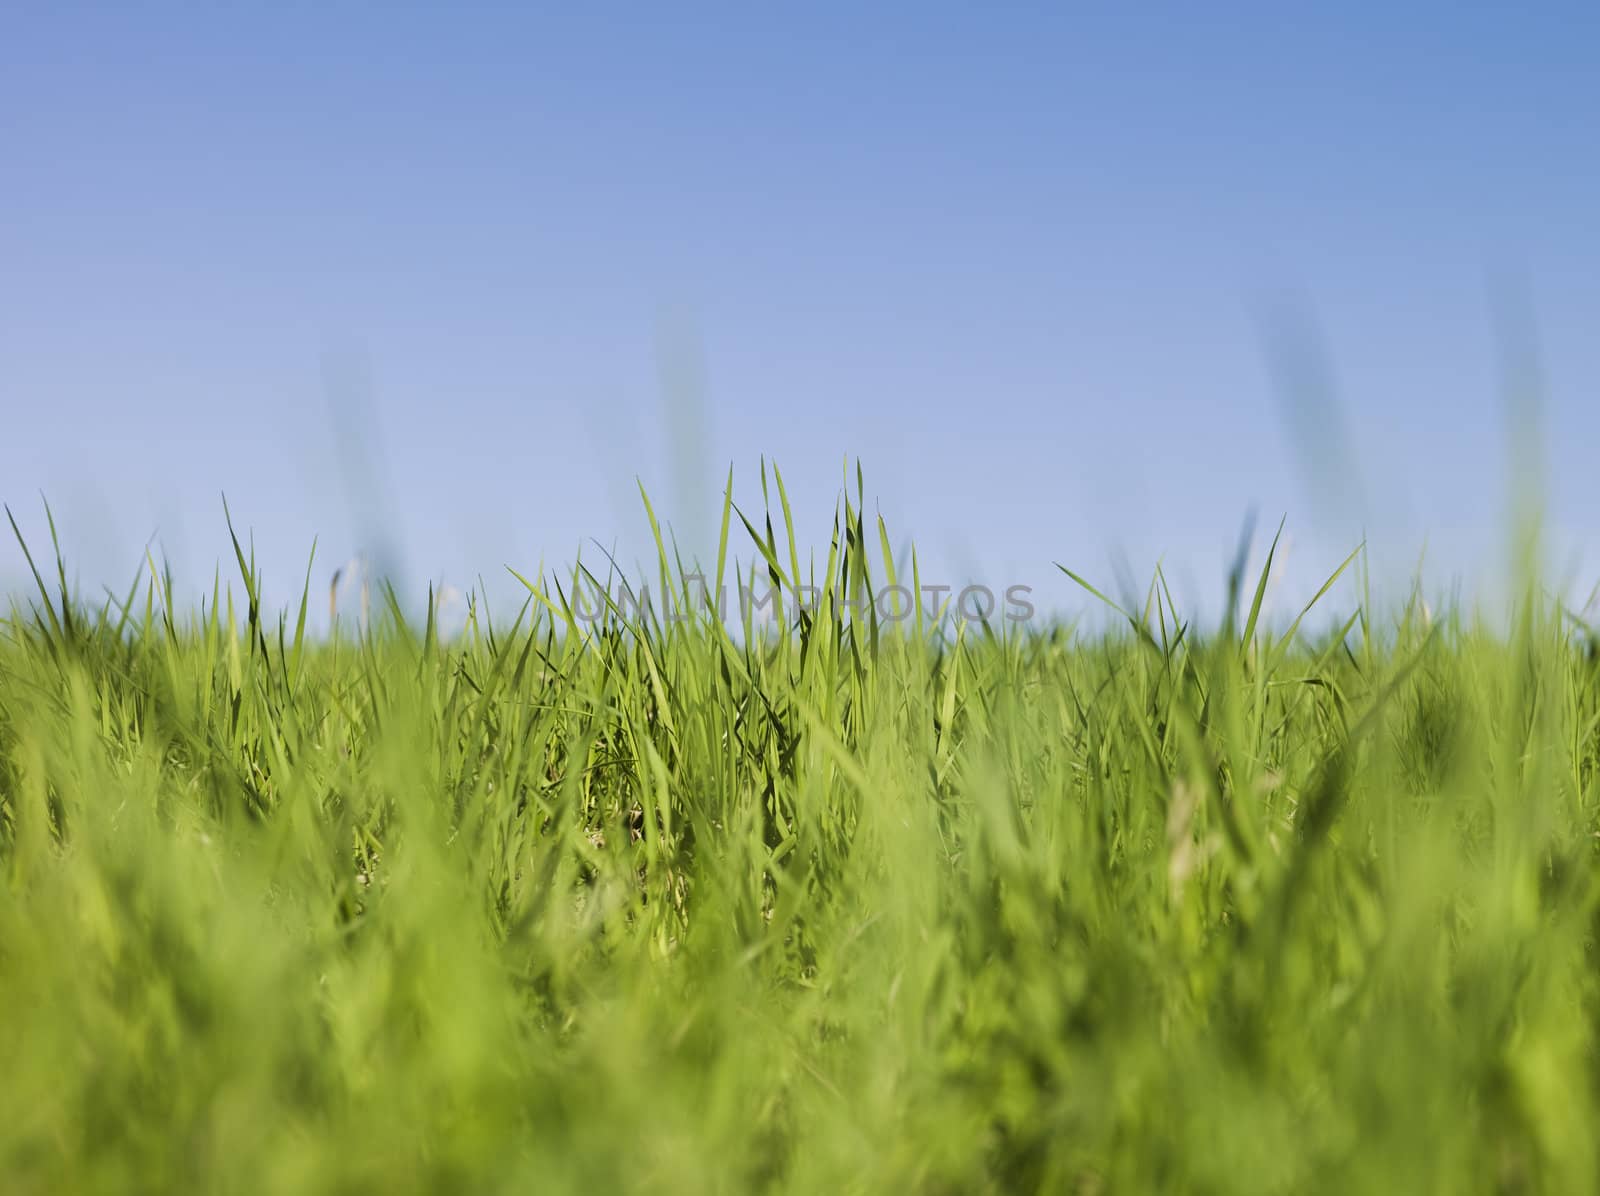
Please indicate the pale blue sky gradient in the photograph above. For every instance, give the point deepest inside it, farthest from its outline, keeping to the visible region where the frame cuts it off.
(1019, 261)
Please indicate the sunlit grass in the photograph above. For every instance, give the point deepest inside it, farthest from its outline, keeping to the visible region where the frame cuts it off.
(826, 905)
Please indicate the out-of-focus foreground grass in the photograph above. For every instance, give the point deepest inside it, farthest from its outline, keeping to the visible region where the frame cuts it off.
(846, 906)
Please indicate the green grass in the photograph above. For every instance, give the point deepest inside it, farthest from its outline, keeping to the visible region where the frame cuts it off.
(653, 905)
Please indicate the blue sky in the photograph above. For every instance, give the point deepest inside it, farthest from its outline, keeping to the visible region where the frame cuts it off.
(462, 273)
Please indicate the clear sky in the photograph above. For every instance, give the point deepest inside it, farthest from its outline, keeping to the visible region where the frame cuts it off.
(1071, 282)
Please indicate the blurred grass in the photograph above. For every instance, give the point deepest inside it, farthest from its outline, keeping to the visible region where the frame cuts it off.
(839, 905)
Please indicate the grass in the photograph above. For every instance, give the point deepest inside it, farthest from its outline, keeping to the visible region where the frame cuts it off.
(648, 904)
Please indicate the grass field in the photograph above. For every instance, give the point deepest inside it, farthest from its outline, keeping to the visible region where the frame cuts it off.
(648, 904)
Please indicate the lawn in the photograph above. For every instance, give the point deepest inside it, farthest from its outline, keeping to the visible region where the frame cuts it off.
(826, 903)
